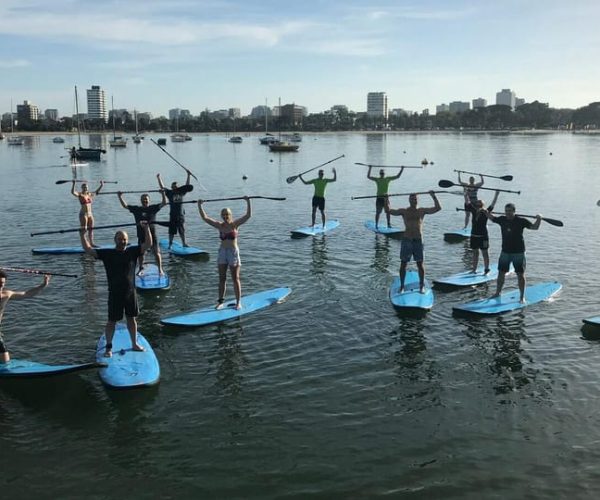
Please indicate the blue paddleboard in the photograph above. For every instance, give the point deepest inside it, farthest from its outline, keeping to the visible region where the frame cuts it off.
(127, 368)
(64, 250)
(316, 229)
(459, 234)
(411, 298)
(468, 278)
(593, 321)
(179, 250)
(150, 279)
(19, 368)
(509, 301)
(210, 315)
(383, 229)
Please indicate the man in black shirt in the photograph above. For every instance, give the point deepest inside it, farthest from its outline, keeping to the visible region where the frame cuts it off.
(513, 246)
(146, 212)
(119, 263)
(479, 234)
(176, 216)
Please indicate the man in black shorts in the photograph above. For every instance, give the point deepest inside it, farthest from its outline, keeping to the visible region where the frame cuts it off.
(479, 234)
(318, 200)
(513, 246)
(5, 296)
(119, 263)
(176, 215)
(146, 213)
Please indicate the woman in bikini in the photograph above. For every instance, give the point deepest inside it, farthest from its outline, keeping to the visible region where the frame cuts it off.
(85, 197)
(229, 254)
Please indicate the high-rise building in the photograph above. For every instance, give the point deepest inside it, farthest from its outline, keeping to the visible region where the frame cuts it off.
(96, 104)
(260, 111)
(506, 97)
(51, 114)
(480, 102)
(27, 112)
(459, 107)
(442, 108)
(293, 113)
(377, 104)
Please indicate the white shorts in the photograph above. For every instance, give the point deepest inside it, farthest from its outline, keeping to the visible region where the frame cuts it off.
(229, 256)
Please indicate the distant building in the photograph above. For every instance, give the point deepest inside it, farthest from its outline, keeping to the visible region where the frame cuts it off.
(339, 108)
(184, 114)
(399, 112)
(51, 114)
(459, 106)
(377, 105)
(519, 102)
(176, 113)
(442, 108)
(144, 116)
(260, 111)
(425, 112)
(28, 112)
(234, 113)
(293, 113)
(96, 104)
(506, 97)
(480, 102)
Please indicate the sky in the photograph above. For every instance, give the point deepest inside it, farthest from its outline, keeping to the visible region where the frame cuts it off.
(154, 55)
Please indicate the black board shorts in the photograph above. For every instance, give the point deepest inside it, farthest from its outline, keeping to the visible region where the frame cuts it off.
(119, 302)
(479, 242)
(318, 202)
(175, 225)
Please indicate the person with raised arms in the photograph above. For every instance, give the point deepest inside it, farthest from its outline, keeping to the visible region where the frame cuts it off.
(229, 253)
(412, 241)
(318, 200)
(176, 215)
(85, 197)
(479, 234)
(470, 189)
(513, 246)
(382, 199)
(5, 296)
(146, 212)
(119, 264)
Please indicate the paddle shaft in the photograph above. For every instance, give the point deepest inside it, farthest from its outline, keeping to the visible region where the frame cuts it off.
(125, 192)
(395, 194)
(60, 231)
(174, 159)
(503, 177)
(387, 166)
(446, 184)
(553, 222)
(36, 271)
(83, 180)
(292, 178)
(237, 198)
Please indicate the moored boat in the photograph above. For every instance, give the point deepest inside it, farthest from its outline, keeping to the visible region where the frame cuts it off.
(58, 140)
(283, 147)
(236, 139)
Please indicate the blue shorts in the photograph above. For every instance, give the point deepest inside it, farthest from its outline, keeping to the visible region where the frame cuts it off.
(516, 259)
(411, 248)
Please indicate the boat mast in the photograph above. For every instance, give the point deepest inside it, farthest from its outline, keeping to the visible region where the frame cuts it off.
(77, 116)
(266, 118)
(136, 124)
(112, 103)
(12, 118)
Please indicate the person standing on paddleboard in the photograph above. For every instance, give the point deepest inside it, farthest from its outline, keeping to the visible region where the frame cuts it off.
(382, 199)
(229, 253)
(470, 189)
(119, 264)
(513, 246)
(146, 212)
(412, 240)
(86, 219)
(318, 200)
(479, 233)
(5, 296)
(176, 215)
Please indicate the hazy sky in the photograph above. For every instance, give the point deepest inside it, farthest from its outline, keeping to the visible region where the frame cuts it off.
(160, 54)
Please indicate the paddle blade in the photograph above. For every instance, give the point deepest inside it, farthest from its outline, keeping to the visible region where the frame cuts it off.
(291, 179)
(507, 177)
(445, 184)
(553, 222)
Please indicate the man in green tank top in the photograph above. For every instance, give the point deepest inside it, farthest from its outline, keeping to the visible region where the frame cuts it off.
(318, 200)
(382, 200)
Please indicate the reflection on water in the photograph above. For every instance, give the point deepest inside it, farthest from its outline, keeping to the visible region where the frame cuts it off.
(319, 255)
(381, 260)
(229, 359)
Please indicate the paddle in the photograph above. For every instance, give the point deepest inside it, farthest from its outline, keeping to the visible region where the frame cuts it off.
(446, 184)
(237, 198)
(36, 271)
(553, 222)
(125, 192)
(175, 160)
(399, 194)
(83, 180)
(503, 177)
(60, 231)
(386, 166)
(292, 178)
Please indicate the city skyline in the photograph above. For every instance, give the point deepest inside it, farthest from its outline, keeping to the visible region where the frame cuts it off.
(158, 55)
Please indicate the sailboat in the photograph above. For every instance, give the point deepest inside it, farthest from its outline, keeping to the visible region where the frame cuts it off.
(280, 146)
(268, 138)
(236, 139)
(178, 136)
(137, 138)
(92, 154)
(14, 140)
(1, 135)
(117, 141)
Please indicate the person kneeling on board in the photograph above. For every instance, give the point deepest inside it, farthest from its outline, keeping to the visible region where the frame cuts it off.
(513, 246)
(5, 296)
(412, 240)
(479, 234)
(318, 200)
(119, 264)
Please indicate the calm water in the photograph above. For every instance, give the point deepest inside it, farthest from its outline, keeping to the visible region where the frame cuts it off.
(330, 394)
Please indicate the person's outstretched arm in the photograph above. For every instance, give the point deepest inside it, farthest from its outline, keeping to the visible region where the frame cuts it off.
(122, 201)
(244, 218)
(99, 187)
(32, 292)
(399, 174)
(206, 218)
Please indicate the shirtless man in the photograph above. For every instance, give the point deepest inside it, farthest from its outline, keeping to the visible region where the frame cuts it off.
(412, 241)
(5, 296)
